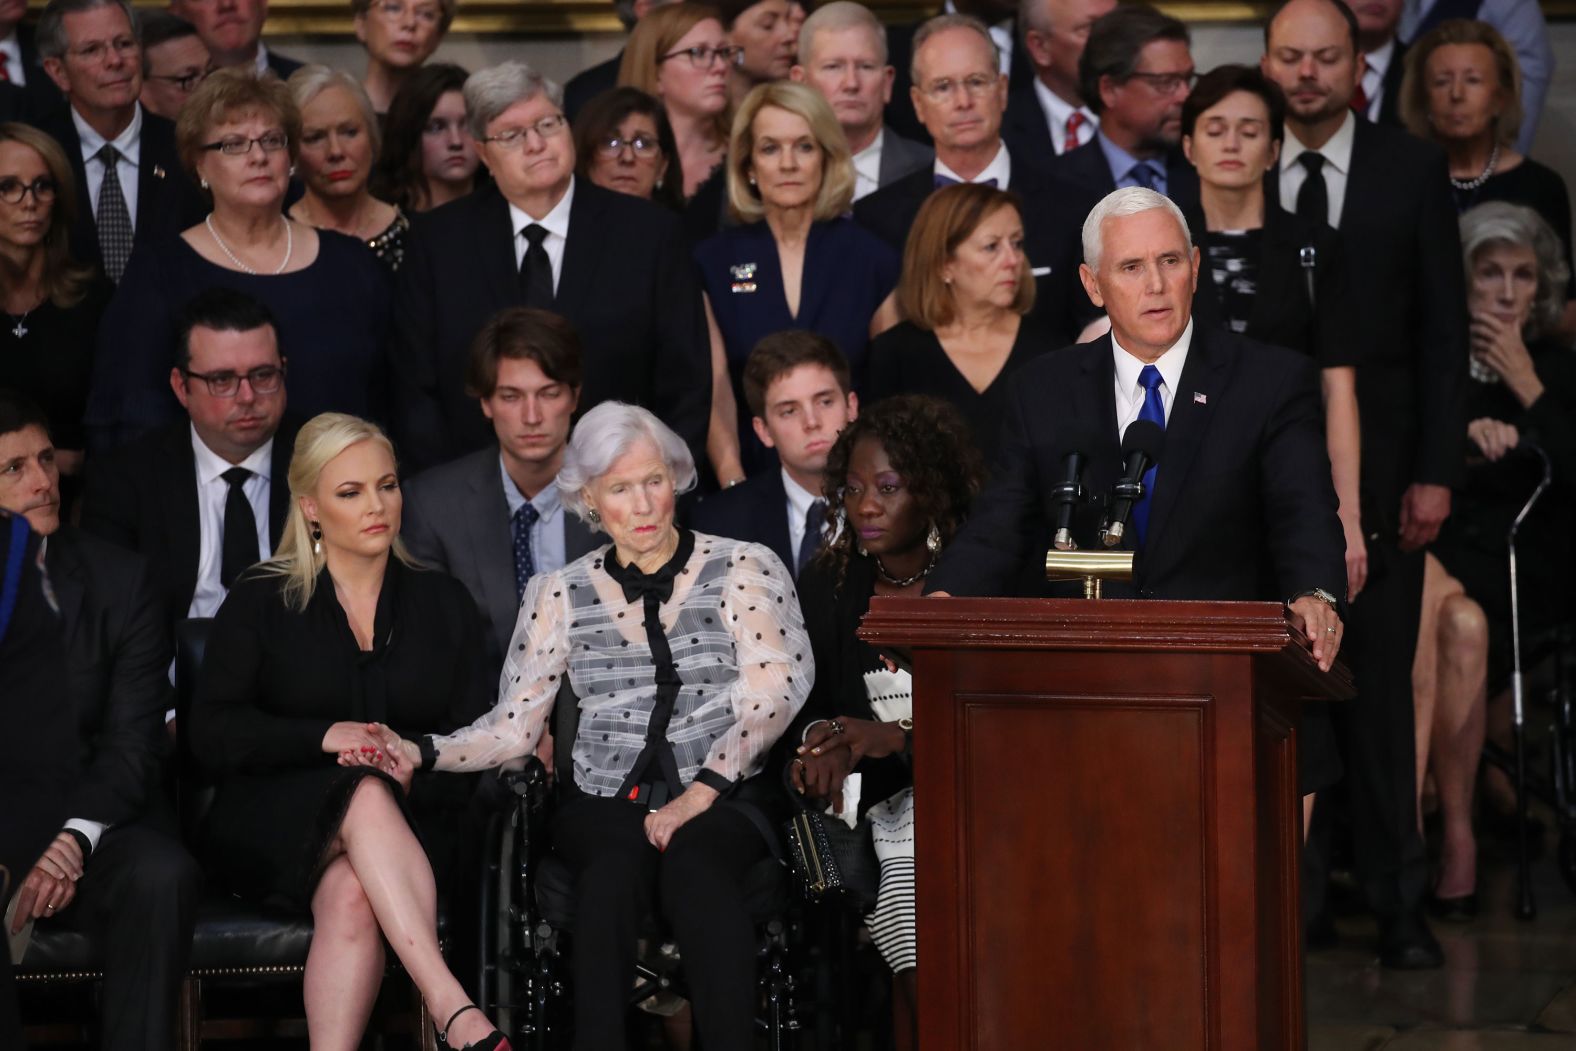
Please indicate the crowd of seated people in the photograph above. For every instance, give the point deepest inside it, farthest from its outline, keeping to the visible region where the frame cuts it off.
(452, 396)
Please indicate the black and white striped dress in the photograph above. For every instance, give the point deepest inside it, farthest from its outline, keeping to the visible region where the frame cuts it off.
(891, 923)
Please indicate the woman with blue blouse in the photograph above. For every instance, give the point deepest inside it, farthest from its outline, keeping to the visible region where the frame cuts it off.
(797, 261)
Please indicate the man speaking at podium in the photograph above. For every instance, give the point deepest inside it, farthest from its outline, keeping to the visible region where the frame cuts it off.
(1237, 501)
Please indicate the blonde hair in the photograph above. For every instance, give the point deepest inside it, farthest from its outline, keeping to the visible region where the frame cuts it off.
(312, 79)
(65, 280)
(836, 194)
(656, 35)
(322, 438)
(1414, 85)
(947, 219)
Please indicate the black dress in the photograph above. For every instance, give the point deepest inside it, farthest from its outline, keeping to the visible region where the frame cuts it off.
(1535, 186)
(907, 359)
(274, 680)
(51, 361)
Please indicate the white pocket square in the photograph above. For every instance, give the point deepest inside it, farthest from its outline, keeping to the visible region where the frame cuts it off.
(1041, 271)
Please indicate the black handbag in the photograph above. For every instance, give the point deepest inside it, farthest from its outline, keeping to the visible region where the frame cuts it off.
(830, 860)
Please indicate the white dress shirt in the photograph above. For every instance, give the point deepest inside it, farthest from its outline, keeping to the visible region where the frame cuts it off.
(799, 501)
(1377, 63)
(129, 143)
(212, 492)
(1057, 110)
(999, 168)
(260, 63)
(556, 222)
(1337, 167)
(11, 55)
(1130, 393)
(548, 544)
(867, 167)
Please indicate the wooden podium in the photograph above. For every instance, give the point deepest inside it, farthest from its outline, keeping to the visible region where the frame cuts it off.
(1108, 823)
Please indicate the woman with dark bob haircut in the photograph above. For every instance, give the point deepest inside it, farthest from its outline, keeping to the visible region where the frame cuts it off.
(428, 156)
(899, 483)
(624, 143)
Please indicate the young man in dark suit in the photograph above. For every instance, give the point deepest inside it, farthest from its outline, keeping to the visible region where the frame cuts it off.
(798, 387)
(205, 498)
(960, 96)
(616, 267)
(493, 518)
(1240, 506)
(233, 31)
(131, 185)
(1136, 72)
(1387, 195)
(116, 870)
(1047, 115)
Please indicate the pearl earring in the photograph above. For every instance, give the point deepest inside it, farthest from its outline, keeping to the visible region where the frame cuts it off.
(203, 183)
(317, 540)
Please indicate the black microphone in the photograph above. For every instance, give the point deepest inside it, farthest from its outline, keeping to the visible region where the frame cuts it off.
(1141, 447)
(1064, 497)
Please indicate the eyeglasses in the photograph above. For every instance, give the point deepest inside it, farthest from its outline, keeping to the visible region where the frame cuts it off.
(265, 379)
(702, 56)
(12, 189)
(393, 11)
(513, 138)
(240, 145)
(1167, 83)
(976, 84)
(187, 82)
(96, 51)
(613, 146)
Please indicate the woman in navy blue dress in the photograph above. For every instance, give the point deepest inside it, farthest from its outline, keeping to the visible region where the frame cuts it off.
(797, 262)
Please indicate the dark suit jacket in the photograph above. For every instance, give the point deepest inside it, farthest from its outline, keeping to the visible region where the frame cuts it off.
(1390, 88)
(143, 496)
(1402, 249)
(167, 202)
(282, 65)
(755, 510)
(13, 103)
(457, 519)
(627, 285)
(39, 91)
(589, 83)
(1087, 167)
(1053, 215)
(118, 653)
(902, 157)
(1243, 507)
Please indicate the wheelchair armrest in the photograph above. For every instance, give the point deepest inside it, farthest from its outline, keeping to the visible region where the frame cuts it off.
(526, 779)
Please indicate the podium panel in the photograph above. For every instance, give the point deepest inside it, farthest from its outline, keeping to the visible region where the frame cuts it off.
(1107, 824)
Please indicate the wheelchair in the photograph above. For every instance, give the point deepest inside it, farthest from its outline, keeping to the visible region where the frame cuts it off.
(525, 984)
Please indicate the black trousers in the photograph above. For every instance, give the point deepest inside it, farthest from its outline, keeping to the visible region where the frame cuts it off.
(1378, 739)
(696, 886)
(137, 900)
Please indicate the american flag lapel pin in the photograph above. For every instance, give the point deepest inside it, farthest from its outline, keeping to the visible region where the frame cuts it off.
(1199, 398)
(158, 172)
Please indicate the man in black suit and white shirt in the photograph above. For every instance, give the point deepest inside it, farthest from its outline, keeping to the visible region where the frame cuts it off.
(1387, 195)
(131, 185)
(615, 267)
(1047, 115)
(19, 63)
(233, 31)
(843, 55)
(1241, 507)
(1136, 72)
(960, 97)
(1378, 95)
(205, 498)
(493, 518)
(799, 390)
(116, 871)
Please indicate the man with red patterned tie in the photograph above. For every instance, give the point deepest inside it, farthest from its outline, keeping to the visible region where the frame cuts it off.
(1378, 94)
(1047, 116)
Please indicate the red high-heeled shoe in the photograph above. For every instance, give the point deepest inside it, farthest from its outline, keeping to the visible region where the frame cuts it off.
(493, 1042)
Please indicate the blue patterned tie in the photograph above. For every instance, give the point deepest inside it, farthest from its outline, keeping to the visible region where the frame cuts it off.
(524, 563)
(1154, 410)
(947, 180)
(1143, 175)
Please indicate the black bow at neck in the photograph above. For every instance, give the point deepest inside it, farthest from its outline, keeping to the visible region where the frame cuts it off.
(658, 583)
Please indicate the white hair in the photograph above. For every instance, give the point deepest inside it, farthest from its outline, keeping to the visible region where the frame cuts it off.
(488, 92)
(312, 79)
(836, 17)
(1130, 200)
(606, 433)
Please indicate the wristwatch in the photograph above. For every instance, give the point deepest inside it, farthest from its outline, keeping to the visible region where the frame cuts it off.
(907, 726)
(1318, 593)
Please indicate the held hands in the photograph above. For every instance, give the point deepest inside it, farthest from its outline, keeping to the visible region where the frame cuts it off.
(1494, 437)
(1424, 509)
(694, 801)
(833, 748)
(52, 883)
(1323, 628)
(387, 751)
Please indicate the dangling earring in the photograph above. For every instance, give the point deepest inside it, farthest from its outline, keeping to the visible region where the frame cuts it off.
(933, 540)
(752, 180)
(595, 516)
(203, 183)
(292, 171)
(317, 540)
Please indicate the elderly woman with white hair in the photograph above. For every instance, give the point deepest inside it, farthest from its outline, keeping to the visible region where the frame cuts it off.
(689, 658)
(340, 141)
(1524, 383)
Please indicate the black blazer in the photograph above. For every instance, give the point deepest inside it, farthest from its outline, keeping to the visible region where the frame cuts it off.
(627, 285)
(1024, 127)
(143, 496)
(1287, 312)
(1243, 506)
(1390, 88)
(589, 83)
(39, 91)
(118, 653)
(167, 202)
(1402, 249)
(282, 65)
(1053, 215)
(1087, 167)
(755, 510)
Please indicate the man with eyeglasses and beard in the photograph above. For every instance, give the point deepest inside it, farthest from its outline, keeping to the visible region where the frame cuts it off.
(174, 62)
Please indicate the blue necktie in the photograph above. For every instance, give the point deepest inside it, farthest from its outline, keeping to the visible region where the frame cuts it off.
(947, 180)
(810, 543)
(1144, 175)
(1154, 410)
(524, 563)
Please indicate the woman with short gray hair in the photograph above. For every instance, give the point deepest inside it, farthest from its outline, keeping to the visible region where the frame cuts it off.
(689, 658)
